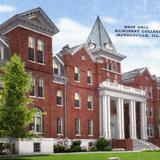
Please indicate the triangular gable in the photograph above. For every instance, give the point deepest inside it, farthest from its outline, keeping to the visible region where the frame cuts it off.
(37, 15)
(34, 19)
(148, 72)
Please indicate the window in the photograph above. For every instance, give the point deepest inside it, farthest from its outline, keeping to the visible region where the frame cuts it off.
(40, 51)
(1, 53)
(37, 147)
(31, 49)
(77, 100)
(77, 126)
(41, 88)
(56, 68)
(150, 91)
(151, 112)
(147, 111)
(109, 67)
(90, 102)
(90, 127)
(36, 126)
(89, 77)
(59, 98)
(115, 68)
(150, 130)
(76, 74)
(33, 93)
(59, 125)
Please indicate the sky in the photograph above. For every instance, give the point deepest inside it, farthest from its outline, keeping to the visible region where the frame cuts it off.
(75, 19)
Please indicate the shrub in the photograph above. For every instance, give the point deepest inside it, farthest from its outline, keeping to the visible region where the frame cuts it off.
(75, 147)
(59, 149)
(103, 145)
(93, 149)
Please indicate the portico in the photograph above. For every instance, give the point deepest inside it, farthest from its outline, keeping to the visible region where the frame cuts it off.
(122, 112)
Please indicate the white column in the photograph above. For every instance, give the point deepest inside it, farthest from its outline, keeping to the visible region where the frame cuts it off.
(143, 121)
(132, 113)
(120, 118)
(106, 117)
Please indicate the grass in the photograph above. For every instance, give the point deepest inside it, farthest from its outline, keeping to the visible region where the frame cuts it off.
(97, 156)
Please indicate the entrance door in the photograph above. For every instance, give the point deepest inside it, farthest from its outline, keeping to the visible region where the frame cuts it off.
(126, 120)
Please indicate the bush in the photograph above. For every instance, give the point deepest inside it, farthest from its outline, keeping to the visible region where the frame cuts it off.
(75, 147)
(103, 145)
(93, 149)
(59, 149)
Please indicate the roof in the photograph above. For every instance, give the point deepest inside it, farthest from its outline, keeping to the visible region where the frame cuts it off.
(34, 19)
(99, 39)
(4, 40)
(134, 73)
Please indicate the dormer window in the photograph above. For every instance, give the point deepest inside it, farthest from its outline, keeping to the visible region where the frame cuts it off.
(31, 49)
(40, 51)
(108, 45)
(91, 45)
(56, 68)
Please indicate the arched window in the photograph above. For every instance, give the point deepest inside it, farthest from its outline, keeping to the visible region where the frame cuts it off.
(77, 100)
(76, 74)
(36, 127)
(59, 125)
(59, 97)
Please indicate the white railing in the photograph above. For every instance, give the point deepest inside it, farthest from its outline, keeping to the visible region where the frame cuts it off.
(122, 88)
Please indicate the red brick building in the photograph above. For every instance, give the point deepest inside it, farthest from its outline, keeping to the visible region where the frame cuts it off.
(81, 89)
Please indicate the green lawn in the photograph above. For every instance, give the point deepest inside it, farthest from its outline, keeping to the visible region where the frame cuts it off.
(98, 156)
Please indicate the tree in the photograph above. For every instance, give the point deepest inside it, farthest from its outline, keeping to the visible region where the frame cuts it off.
(15, 115)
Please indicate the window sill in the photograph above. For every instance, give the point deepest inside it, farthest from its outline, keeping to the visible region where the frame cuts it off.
(77, 107)
(90, 84)
(76, 81)
(41, 98)
(32, 96)
(59, 105)
(31, 61)
(90, 135)
(41, 63)
(59, 134)
(78, 135)
(90, 109)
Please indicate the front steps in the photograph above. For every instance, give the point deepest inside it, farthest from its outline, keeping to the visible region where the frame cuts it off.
(143, 145)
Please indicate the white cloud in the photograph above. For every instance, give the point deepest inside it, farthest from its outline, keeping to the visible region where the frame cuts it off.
(71, 32)
(6, 8)
(130, 41)
(110, 20)
(154, 25)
